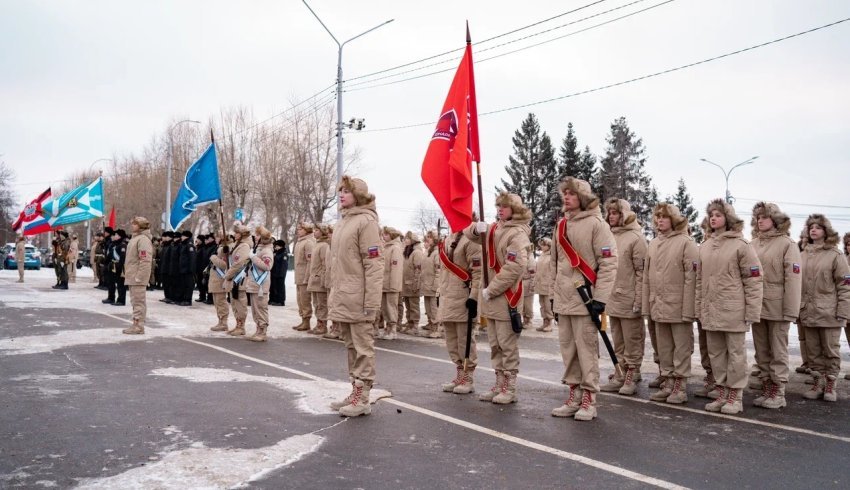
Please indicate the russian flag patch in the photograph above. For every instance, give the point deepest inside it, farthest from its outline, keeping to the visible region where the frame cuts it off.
(511, 257)
(846, 280)
(755, 271)
(476, 262)
(606, 251)
(795, 268)
(374, 252)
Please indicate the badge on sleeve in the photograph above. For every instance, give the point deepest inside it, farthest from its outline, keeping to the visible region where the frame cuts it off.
(695, 265)
(309, 256)
(846, 280)
(531, 271)
(267, 260)
(476, 262)
(374, 252)
(395, 262)
(795, 268)
(511, 257)
(755, 271)
(606, 252)
(143, 254)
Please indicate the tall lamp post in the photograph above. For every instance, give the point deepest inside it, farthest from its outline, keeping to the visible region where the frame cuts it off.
(166, 215)
(726, 174)
(339, 143)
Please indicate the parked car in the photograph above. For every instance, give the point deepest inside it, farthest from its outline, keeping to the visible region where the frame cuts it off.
(32, 257)
(45, 258)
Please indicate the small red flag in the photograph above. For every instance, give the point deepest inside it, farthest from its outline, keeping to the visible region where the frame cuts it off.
(112, 218)
(447, 169)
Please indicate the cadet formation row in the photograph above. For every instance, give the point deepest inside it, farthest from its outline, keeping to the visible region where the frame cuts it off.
(728, 286)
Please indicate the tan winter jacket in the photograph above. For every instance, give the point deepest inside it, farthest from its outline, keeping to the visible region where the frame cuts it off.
(262, 261)
(543, 279)
(20, 251)
(412, 286)
(591, 237)
(238, 259)
(74, 252)
(669, 278)
(303, 252)
(453, 291)
(627, 297)
(319, 280)
(511, 239)
(781, 266)
(393, 266)
(729, 283)
(529, 276)
(357, 268)
(137, 264)
(218, 261)
(826, 287)
(429, 273)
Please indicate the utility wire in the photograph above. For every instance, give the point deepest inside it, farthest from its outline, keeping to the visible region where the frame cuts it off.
(632, 80)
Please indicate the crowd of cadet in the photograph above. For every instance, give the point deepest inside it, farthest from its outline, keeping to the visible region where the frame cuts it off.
(360, 279)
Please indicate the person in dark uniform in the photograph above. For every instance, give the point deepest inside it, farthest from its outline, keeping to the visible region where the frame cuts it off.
(277, 295)
(186, 262)
(211, 249)
(100, 257)
(174, 269)
(200, 266)
(115, 265)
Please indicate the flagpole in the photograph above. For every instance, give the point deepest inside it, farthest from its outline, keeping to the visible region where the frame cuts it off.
(220, 205)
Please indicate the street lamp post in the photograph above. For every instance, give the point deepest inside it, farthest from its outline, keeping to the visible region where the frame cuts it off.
(166, 215)
(339, 124)
(727, 174)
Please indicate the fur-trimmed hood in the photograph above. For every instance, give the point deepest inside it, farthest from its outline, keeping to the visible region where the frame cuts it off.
(413, 237)
(831, 236)
(846, 242)
(665, 209)
(733, 221)
(586, 197)
(325, 231)
(780, 220)
(392, 232)
(358, 187)
(513, 201)
(628, 219)
(264, 236)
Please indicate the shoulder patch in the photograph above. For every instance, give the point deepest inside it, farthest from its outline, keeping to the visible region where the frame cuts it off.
(511, 257)
(606, 252)
(695, 265)
(476, 262)
(267, 260)
(755, 271)
(374, 252)
(846, 280)
(143, 254)
(795, 268)
(395, 262)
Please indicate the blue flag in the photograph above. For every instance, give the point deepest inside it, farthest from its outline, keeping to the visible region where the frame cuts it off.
(81, 204)
(200, 186)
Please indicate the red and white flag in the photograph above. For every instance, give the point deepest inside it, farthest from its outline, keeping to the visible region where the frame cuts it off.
(30, 221)
(447, 169)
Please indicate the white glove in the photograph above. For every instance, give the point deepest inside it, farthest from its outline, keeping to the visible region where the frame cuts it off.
(481, 227)
(485, 294)
(749, 324)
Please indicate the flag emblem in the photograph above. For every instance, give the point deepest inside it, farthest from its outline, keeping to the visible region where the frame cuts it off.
(476, 262)
(846, 280)
(511, 257)
(606, 251)
(374, 252)
(795, 268)
(755, 271)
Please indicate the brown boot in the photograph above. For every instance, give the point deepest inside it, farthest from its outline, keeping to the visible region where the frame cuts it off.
(136, 329)
(259, 335)
(239, 329)
(572, 405)
(303, 326)
(708, 386)
(629, 387)
(829, 392)
(507, 394)
(718, 403)
(436, 333)
(465, 386)
(679, 394)
(816, 390)
(450, 386)
(765, 392)
(488, 396)
(587, 409)
(321, 328)
(345, 401)
(221, 326)
(333, 332)
(359, 404)
(776, 397)
(734, 403)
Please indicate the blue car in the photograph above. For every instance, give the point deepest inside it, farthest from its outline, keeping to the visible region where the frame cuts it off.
(32, 257)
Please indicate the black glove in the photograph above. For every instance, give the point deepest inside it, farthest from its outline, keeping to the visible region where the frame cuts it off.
(225, 249)
(598, 307)
(472, 306)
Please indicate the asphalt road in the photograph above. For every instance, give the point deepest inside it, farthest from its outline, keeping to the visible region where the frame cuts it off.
(182, 407)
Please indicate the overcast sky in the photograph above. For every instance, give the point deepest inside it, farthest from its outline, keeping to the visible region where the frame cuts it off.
(83, 80)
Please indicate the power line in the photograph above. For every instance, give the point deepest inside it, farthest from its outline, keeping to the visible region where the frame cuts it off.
(631, 80)
(427, 58)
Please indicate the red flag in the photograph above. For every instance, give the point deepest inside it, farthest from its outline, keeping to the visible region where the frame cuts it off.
(30, 221)
(447, 169)
(112, 218)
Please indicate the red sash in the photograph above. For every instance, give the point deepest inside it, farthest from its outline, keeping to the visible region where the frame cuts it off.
(451, 266)
(513, 297)
(576, 260)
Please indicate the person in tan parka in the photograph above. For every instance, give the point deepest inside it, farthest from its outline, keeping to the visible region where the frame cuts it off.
(591, 238)
(528, 281)
(624, 308)
(668, 296)
(825, 305)
(73, 256)
(137, 271)
(318, 282)
(303, 253)
(258, 283)
(507, 250)
(393, 270)
(20, 256)
(709, 388)
(781, 262)
(459, 288)
(237, 272)
(357, 270)
(729, 300)
(846, 244)
(430, 271)
(411, 289)
(219, 264)
(543, 284)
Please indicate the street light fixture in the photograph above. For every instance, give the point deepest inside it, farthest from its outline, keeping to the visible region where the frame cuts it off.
(726, 174)
(166, 215)
(339, 124)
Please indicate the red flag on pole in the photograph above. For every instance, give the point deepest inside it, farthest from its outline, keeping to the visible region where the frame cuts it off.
(112, 218)
(30, 221)
(447, 169)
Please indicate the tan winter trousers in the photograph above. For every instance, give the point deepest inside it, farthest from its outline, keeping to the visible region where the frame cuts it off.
(359, 341)
(137, 301)
(629, 340)
(728, 353)
(260, 309)
(504, 345)
(527, 308)
(770, 339)
(823, 347)
(305, 308)
(72, 272)
(456, 344)
(580, 351)
(21, 270)
(546, 308)
(411, 304)
(320, 304)
(704, 360)
(222, 310)
(431, 309)
(650, 327)
(675, 347)
(804, 352)
(389, 310)
(240, 306)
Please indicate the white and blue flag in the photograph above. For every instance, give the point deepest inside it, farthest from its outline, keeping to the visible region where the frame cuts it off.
(81, 204)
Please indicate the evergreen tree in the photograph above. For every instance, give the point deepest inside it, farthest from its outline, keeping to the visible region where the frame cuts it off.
(572, 162)
(685, 203)
(622, 174)
(543, 221)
